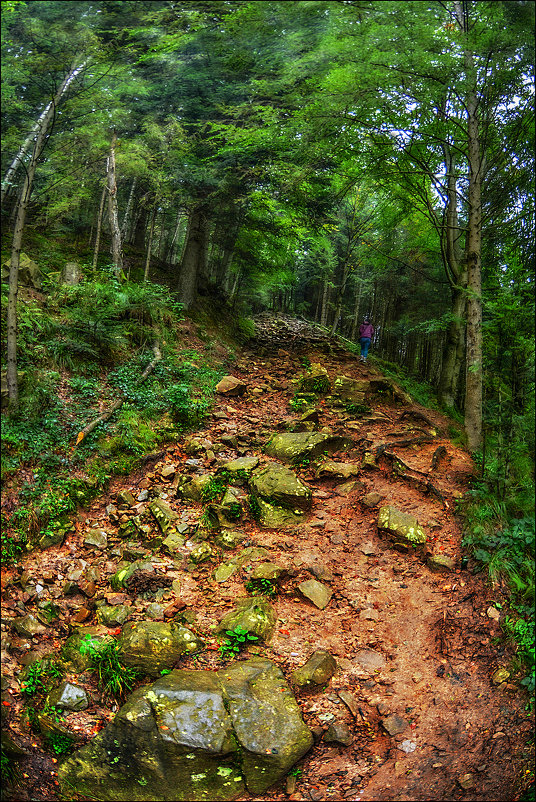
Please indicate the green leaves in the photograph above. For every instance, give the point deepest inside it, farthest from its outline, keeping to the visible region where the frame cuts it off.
(235, 640)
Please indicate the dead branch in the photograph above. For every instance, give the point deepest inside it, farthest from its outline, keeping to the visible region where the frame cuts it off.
(119, 402)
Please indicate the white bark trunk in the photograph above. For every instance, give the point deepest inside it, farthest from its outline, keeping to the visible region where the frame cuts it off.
(43, 121)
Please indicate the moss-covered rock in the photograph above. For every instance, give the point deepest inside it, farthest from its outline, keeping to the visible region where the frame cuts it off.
(278, 485)
(73, 655)
(316, 380)
(166, 518)
(318, 669)
(273, 517)
(194, 735)
(68, 697)
(150, 646)
(255, 614)
(239, 470)
(296, 446)
(402, 528)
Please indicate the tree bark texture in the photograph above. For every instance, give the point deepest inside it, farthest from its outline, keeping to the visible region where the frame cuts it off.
(99, 229)
(115, 233)
(149, 244)
(193, 263)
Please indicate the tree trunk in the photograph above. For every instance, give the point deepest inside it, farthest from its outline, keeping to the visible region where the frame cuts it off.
(13, 290)
(473, 248)
(193, 262)
(473, 372)
(355, 318)
(325, 302)
(127, 219)
(42, 123)
(115, 233)
(340, 297)
(99, 228)
(454, 350)
(170, 249)
(149, 244)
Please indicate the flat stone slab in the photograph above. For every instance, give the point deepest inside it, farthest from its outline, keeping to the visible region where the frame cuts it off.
(318, 669)
(296, 446)
(319, 594)
(370, 660)
(337, 470)
(394, 724)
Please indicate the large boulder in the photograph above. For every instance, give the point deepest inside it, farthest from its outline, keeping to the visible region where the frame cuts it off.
(402, 527)
(151, 646)
(297, 446)
(29, 272)
(195, 735)
(278, 485)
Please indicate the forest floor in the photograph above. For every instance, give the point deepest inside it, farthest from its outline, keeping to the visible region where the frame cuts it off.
(416, 650)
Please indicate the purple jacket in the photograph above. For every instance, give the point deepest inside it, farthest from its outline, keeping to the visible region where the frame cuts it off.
(366, 330)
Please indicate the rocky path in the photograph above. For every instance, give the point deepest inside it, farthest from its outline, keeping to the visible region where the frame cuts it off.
(415, 709)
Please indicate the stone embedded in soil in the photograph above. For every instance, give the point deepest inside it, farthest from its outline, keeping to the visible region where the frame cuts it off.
(191, 488)
(368, 549)
(369, 614)
(371, 499)
(166, 518)
(337, 470)
(279, 486)
(150, 646)
(352, 390)
(319, 594)
(28, 626)
(318, 669)
(499, 676)
(229, 538)
(370, 660)
(113, 616)
(394, 724)
(401, 527)
(294, 447)
(231, 386)
(466, 781)
(255, 614)
(267, 571)
(441, 563)
(68, 697)
(239, 469)
(125, 498)
(96, 538)
(350, 701)
(339, 733)
(201, 553)
(173, 543)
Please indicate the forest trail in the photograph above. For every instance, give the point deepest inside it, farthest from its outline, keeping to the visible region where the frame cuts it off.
(414, 647)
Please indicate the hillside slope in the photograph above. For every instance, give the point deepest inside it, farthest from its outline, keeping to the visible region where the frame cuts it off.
(416, 639)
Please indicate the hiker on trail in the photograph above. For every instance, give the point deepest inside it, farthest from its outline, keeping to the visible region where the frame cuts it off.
(366, 330)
